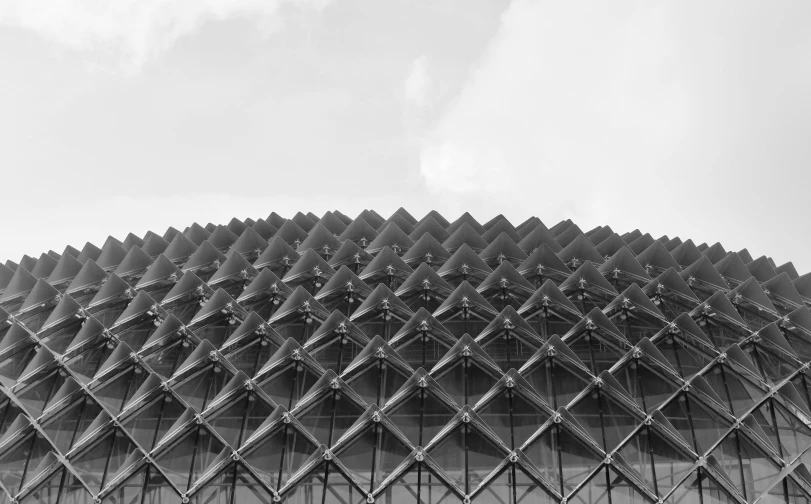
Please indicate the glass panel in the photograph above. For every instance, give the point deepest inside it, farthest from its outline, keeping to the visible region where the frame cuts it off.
(329, 354)
(151, 423)
(526, 418)
(794, 493)
(722, 335)
(13, 464)
(267, 457)
(450, 456)
(638, 326)
(453, 382)
(421, 409)
(425, 353)
(496, 414)
(711, 491)
(406, 489)
(280, 455)
(165, 361)
(739, 395)
(378, 383)
(367, 383)
(434, 491)
(318, 419)
(622, 492)
(618, 422)
(686, 358)
(122, 448)
(158, 490)
(228, 422)
(328, 419)
(297, 450)
(177, 462)
(795, 436)
(216, 332)
(92, 464)
(35, 397)
(249, 358)
(587, 414)
(482, 457)
(119, 389)
(498, 490)
(64, 429)
(137, 335)
(48, 493)
(357, 457)
(498, 350)
(758, 469)
(258, 411)
(38, 450)
(466, 381)
(773, 368)
(208, 447)
(670, 463)
(555, 383)
(388, 456)
(392, 381)
(696, 424)
(776, 495)
(310, 490)
(199, 389)
(11, 368)
(216, 491)
(289, 385)
(528, 491)
(595, 491)
(802, 387)
(128, 492)
(689, 491)
(577, 461)
(649, 389)
(544, 454)
(340, 491)
(247, 490)
(60, 340)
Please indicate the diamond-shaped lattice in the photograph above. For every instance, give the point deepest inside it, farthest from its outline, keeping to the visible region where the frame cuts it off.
(331, 359)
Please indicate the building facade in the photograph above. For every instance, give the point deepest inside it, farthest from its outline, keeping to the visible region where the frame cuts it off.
(395, 360)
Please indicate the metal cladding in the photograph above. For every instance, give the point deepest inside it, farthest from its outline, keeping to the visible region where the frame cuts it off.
(395, 360)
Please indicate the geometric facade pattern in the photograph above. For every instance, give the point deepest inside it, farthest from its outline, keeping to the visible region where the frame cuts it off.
(395, 360)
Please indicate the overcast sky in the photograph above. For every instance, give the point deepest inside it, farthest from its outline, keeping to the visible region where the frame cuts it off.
(690, 119)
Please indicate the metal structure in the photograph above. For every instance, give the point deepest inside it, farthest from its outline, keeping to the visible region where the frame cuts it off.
(337, 360)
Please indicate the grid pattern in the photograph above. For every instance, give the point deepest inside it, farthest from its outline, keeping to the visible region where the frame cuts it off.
(338, 360)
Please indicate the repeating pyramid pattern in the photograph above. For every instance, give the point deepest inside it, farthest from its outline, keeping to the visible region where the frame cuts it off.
(395, 360)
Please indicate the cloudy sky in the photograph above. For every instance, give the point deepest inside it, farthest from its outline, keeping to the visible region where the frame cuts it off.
(690, 119)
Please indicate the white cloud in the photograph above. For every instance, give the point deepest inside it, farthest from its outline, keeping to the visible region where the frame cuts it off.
(418, 99)
(418, 83)
(552, 103)
(656, 115)
(134, 30)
